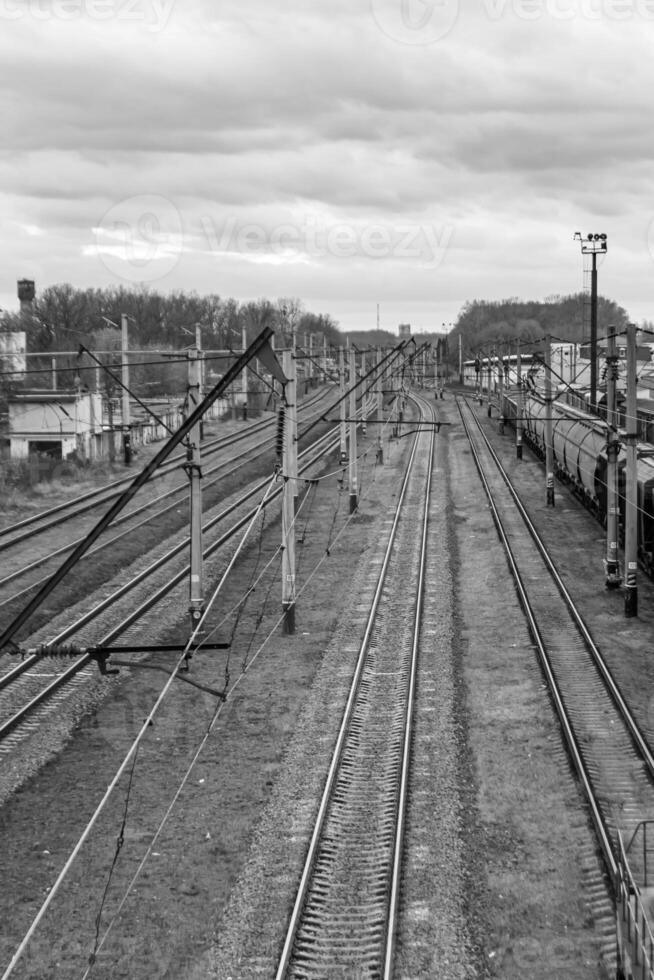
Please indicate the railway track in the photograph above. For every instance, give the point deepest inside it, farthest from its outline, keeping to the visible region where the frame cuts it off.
(31, 689)
(344, 921)
(19, 576)
(18, 533)
(609, 752)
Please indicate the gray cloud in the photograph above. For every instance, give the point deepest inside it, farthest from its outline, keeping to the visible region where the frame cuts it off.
(505, 130)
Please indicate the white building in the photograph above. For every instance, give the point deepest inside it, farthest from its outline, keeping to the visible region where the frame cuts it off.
(55, 422)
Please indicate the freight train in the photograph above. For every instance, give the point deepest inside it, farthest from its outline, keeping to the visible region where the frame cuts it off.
(580, 460)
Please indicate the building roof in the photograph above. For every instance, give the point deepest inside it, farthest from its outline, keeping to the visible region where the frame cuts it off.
(53, 395)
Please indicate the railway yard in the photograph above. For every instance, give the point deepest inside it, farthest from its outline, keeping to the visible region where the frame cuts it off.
(388, 791)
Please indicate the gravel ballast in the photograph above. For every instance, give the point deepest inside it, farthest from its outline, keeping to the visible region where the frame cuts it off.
(498, 850)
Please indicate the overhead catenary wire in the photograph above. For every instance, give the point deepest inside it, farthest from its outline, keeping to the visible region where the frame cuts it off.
(139, 480)
(190, 646)
(127, 389)
(215, 717)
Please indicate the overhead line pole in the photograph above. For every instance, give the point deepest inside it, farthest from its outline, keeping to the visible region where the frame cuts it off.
(612, 564)
(549, 452)
(288, 509)
(342, 388)
(631, 489)
(519, 405)
(244, 378)
(127, 439)
(379, 387)
(260, 347)
(386, 362)
(291, 415)
(364, 410)
(193, 468)
(352, 466)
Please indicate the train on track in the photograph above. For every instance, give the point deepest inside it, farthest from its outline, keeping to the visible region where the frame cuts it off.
(579, 443)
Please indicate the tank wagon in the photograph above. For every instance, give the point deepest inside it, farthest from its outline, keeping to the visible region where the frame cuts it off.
(580, 460)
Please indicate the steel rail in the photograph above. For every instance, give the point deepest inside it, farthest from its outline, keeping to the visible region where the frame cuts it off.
(640, 741)
(322, 446)
(408, 723)
(572, 742)
(110, 492)
(341, 738)
(105, 493)
(182, 490)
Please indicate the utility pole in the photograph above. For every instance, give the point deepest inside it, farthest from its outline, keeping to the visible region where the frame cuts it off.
(364, 413)
(194, 471)
(291, 412)
(490, 379)
(460, 359)
(244, 377)
(198, 347)
(308, 374)
(438, 383)
(500, 421)
(631, 489)
(54, 373)
(354, 495)
(519, 406)
(549, 453)
(127, 441)
(380, 407)
(611, 564)
(288, 511)
(341, 383)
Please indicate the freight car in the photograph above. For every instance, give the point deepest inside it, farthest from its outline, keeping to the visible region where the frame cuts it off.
(580, 460)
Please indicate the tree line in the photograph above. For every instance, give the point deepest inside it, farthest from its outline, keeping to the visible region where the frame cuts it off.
(482, 324)
(63, 317)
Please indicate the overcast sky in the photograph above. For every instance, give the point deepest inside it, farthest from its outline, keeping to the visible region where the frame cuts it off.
(414, 154)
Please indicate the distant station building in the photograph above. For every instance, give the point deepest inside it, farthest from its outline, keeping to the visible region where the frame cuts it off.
(59, 423)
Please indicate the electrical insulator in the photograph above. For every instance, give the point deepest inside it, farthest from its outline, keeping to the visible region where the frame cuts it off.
(279, 436)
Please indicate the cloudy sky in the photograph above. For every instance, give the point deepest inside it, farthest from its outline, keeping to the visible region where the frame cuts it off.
(414, 154)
